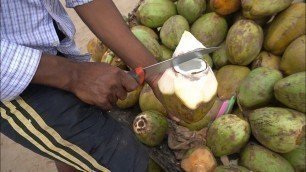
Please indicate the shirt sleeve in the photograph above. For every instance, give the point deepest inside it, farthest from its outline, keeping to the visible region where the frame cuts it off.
(74, 3)
(18, 66)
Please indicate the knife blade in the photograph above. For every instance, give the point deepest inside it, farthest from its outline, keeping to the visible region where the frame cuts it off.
(142, 73)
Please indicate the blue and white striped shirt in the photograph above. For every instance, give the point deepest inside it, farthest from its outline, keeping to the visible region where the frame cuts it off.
(27, 30)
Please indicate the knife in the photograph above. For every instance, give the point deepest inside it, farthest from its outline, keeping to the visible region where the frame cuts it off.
(141, 73)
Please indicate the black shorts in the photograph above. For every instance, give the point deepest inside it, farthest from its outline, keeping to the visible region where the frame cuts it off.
(57, 125)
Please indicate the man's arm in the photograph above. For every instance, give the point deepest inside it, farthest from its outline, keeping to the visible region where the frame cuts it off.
(106, 22)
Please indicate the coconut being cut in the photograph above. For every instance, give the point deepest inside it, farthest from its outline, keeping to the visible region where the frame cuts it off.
(189, 89)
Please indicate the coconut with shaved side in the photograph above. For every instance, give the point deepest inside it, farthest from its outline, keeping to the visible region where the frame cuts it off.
(189, 89)
(150, 127)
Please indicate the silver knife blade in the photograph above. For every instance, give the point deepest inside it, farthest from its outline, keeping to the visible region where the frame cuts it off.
(162, 66)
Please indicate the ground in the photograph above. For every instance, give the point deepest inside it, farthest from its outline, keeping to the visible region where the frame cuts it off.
(15, 158)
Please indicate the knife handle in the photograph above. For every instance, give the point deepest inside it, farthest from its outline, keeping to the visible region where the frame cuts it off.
(138, 74)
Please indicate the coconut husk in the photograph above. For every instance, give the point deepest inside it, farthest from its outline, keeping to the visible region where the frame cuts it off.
(181, 139)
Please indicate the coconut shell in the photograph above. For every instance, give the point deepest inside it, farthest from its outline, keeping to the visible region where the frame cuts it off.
(256, 90)
(208, 60)
(154, 13)
(285, 27)
(149, 42)
(297, 157)
(294, 57)
(189, 90)
(112, 59)
(258, 158)
(130, 100)
(279, 129)
(191, 9)
(140, 30)
(148, 100)
(243, 42)
(176, 107)
(166, 53)
(219, 57)
(225, 7)
(199, 159)
(227, 135)
(207, 119)
(268, 60)
(96, 48)
(291, 91)
(172, 31)
(262, 8)
(229, 78)
(210, 29)
(150, 127)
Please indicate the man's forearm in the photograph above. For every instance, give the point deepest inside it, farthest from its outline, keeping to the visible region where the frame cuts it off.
(55, 71)
(105, 21)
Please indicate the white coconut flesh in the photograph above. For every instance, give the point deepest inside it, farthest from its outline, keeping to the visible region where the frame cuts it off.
(193, 82)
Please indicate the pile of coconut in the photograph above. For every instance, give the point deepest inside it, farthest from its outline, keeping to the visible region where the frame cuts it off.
(245, 100)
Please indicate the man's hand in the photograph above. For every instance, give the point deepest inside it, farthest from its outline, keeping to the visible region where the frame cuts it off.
(98, 84)
(101, 84)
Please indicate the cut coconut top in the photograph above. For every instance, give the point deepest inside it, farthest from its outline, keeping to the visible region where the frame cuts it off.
(187, 43)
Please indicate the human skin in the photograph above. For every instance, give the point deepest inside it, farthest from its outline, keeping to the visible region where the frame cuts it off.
(99, 84)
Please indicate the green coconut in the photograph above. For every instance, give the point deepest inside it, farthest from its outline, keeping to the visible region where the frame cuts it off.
(130, 100)
(191, 9)
(210, 29)
(294, 57)
(96, 48)
(260, 21)
(153, 13)
(291, 91)
(199, 159)
(208, 60)
(112, 59)
(148, 100)
(285, 27)
(268, 60)
(261, 8)
(297, 157)
(229, 78)
(150, 127)
(279, 129)
(219, 57)
(172, 30)
(207, 119)
(143, 30)
(231, 168)
(188, 89)
(243, 42)
(149, 42)
(166, 53)
(258, 158)
(256, 90)
(227, 135)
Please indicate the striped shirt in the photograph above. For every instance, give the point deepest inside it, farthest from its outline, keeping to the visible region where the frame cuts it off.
(27, 30)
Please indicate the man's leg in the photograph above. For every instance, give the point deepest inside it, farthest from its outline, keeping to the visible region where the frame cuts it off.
(56, 124)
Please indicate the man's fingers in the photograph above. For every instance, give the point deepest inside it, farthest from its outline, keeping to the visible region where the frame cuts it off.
(112, 98)
(128, 82)
(121, 93)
